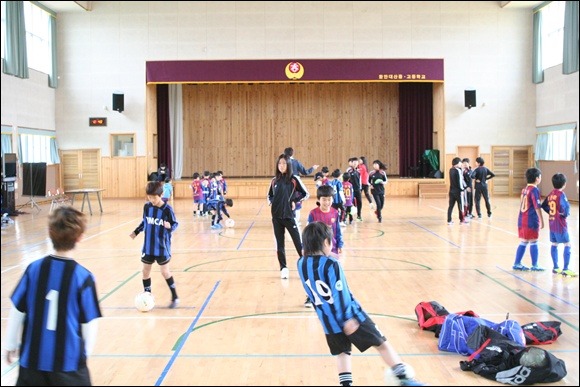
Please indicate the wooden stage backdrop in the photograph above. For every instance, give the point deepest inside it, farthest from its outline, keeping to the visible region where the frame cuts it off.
(240, 324)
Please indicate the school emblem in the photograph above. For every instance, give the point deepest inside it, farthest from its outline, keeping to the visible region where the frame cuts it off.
(294, 70)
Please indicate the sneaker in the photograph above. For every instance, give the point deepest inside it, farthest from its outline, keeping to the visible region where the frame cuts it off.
(308, 303)
(380, 220)
(450, 222)
(557, 271)
(284, 273)
(464, 221)
(537, 268)
(479, 216)
(359, 219)
(174, 304)
(520, 267)
(489, 215)
(569, 273)
(372, 205)
(410, 382)
(215, 226)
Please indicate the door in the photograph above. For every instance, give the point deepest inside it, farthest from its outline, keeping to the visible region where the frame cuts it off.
(509, 165)
(81, 168)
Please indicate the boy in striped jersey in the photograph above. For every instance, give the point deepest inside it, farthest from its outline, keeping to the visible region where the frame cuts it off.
(530, 221)
(55, 304)
(158, 224)
(343, 319)
(558, 209)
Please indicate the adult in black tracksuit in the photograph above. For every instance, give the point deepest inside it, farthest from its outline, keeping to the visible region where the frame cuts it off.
(468, 178)
(481, 175)
(285, 191)
(456, 186)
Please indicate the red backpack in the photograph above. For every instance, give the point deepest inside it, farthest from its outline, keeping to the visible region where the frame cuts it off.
(431, 315)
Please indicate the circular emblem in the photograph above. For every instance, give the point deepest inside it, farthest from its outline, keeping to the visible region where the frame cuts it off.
(294, 70)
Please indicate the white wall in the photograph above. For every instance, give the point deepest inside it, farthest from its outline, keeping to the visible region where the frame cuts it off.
(557, 98)
(484, 47)
(28, 102)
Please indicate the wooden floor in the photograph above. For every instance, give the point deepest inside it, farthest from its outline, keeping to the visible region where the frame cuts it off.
(240, 324)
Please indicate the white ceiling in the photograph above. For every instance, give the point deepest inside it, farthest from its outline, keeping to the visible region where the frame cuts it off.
(81, 6)
(519, 4)
(67, 6)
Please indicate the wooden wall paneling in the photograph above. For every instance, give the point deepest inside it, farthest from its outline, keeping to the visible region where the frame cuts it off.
(337, 121)
(53, 177)
(111, 183)
(151, 112)
(522, 159)
(81, 168)
(509, 163)
(501, 167)
(439, 120)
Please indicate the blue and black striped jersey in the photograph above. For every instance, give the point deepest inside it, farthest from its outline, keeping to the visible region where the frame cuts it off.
(57, 295)
(157, 240)
(325, 284)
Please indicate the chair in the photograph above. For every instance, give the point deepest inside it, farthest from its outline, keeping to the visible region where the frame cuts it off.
(57, 199)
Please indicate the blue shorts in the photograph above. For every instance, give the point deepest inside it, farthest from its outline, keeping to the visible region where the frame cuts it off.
(559, 237)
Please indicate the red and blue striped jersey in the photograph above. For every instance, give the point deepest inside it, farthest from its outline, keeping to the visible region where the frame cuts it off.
(558, 208)
(529, 203)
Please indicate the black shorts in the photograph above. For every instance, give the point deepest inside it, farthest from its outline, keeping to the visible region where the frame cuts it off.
(367, 335)
(149, 259)
(30, 377)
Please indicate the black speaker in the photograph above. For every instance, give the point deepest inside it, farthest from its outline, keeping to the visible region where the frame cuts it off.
(118, 102)
(9, 165)
(470, 99)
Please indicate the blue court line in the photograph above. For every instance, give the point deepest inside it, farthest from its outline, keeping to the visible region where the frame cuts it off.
(245, 235)
(431, 232)
(184, 339)
(249, 228)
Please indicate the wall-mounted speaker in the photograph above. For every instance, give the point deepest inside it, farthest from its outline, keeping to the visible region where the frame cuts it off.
(470, 99)
(118, 102)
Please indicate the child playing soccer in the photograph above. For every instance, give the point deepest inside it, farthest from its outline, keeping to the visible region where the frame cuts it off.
(343, 319)
(558, 209)
(530, 221)
(158, 224)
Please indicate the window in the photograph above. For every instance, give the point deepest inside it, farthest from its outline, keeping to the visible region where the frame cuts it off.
(123, 145)
(38, 37)
(553, 33)
(37, 146)
(556, 143)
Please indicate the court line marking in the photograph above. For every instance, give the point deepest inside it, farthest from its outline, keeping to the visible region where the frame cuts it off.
(185, 336)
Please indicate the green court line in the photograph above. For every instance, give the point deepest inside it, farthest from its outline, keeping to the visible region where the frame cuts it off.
(536, 304)
(118, 287)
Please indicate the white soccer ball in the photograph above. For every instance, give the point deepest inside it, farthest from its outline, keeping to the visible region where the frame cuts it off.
(392, 380)
(144, 302)
(230, 223)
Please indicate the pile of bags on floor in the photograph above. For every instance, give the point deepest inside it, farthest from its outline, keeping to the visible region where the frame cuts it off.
(497, 351)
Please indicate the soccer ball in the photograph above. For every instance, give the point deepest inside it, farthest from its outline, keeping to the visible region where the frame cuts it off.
(392, 380)
(230, 223)
(144, 302)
